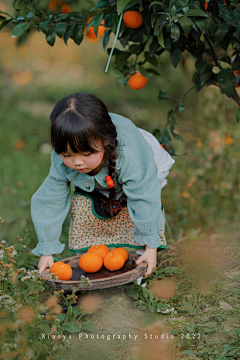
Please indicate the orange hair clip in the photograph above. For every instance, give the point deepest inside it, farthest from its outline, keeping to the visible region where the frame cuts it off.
(110, 182)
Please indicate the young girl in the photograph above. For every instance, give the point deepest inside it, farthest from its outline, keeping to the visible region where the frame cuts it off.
(117, 170)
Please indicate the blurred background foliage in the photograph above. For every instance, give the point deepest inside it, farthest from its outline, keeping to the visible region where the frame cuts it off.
(203, 184)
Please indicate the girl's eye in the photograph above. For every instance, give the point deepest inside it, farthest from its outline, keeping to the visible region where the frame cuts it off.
(88, 154)
(66, 155)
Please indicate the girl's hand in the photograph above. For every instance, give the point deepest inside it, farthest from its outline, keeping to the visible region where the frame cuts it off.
(149, 256)
(44, 262)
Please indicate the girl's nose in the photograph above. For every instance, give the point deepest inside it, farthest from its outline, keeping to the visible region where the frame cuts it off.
(78, 162)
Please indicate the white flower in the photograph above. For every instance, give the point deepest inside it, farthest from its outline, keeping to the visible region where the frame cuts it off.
(14, 253)
(25, 277)
(3, 242)
(1, 254)
(22, 268)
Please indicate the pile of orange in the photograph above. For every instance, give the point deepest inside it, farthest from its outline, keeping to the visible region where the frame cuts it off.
(92, 261)
(60, 5)
(62, 270)
(90, 35)
(137, 81)
(99, 255)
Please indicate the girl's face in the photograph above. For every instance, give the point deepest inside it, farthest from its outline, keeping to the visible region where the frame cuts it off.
(84, 162)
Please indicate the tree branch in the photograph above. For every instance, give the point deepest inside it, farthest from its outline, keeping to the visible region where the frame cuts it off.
(213, 52)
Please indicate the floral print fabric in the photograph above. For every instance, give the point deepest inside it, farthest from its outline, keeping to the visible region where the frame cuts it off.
(87, 230)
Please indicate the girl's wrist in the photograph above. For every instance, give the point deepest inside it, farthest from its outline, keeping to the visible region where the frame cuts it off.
(148, 248)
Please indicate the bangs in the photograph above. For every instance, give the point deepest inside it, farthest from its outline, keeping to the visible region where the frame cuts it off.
(73, 131)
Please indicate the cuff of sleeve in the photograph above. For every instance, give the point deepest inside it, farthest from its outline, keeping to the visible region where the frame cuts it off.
(48, 248)
(150, 241)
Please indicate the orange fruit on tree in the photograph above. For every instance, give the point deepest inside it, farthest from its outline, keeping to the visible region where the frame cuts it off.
(52, 5)
(114, 260)
(91, 35)
(91, 262)
(137, 81)
(65, 9)
(62, 270)
(237, 76)
(206, 5)
(100, 249)
(123, 251)
(133, 19)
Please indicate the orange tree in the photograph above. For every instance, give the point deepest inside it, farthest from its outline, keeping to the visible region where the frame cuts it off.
(208, 30)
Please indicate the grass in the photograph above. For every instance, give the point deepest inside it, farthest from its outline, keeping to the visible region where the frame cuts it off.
(202, 193)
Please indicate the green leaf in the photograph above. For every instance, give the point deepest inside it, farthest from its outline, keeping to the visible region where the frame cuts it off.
(153, 71)
(175, 56)
(238, 115)
(97, 21)
(163, 95)
(143, 71)
(78, 36)
(156, 3)
(101, 4)
(151, 59)
(61, 317)
(175, 32)
(88, 326)
(151, 308)
(186, 24)
(186, 304)
(160, 38)
(60, 29)
(226, 80)
(161, 307)
(72, 328)
(68, 32)
(190, 353)
(106, 38)
(50, 36)
(196, 12)
(182, 3)
(201, 66)
(20, 29)
(44, 327)
(3, 24)
(220, 32)
(121, 5)
(43, 26)
(130, 4)
(153, 46)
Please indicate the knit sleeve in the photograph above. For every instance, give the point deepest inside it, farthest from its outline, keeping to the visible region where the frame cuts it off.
(138, 175)
(49, 207)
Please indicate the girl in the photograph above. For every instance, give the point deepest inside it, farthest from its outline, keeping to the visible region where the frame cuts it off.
(117, 183)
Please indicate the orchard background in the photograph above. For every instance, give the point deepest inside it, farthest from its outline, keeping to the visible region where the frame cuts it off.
(181, 45)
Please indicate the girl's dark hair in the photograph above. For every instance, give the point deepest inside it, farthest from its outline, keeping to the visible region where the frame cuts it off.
(79, 120)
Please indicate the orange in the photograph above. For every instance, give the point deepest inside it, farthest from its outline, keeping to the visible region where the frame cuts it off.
(91, 262)
(65, 9)
(114, 260)
(100, 249)
(237, 75)
(123, 251)
(206, 5)
(62, 270)
(91, 35)
(137, 81)
(53, 4)
(132, 19)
